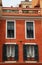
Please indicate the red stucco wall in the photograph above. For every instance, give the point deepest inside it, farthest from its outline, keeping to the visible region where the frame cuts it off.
(20, 35)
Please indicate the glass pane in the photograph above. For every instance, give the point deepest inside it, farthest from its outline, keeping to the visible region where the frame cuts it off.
(13, 50)
(10, 29)
(10, 33)
(10, 25)
(30, 51)
(29, 28)
(10, 51)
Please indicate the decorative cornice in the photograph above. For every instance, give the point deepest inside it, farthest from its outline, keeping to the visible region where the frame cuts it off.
(22, 17)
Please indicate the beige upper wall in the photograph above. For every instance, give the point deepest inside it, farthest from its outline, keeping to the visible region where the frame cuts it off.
(31, 3)
(40, 3)
(34, 3)
(24, 4)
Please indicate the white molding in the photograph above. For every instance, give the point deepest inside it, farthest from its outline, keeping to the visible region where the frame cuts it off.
(10, 61)
(14, 28)
(23, 17)
(10, 43)
(31, 43)
(31, 61)
(33, 28)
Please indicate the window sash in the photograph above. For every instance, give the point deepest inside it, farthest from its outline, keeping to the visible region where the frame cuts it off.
(29, 25)
(10, 29)
(10, 33)
(10, 25)
(26, 57)
(10, 51)
(29, 30)
(30, 51)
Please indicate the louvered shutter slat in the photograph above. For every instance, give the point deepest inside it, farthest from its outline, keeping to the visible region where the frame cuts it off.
(4, 52)
(36, 53)
(24, 53)
(16, 52)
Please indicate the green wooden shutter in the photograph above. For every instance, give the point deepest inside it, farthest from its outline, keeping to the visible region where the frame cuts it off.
(36, 53)
(16, 52)
(24, 53)
(4, 53)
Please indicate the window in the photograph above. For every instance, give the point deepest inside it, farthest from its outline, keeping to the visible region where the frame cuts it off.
(10, 52)
(30, 30)
(30, 52)
(10, 25)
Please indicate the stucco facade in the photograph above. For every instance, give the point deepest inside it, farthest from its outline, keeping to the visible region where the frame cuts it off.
(20, 35)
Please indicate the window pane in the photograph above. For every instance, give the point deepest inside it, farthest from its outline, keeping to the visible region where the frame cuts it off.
(10, 51)
(10, 29)
(13, 50)
(10, 33)
(29, 29)
(30, 51)
(10, 25)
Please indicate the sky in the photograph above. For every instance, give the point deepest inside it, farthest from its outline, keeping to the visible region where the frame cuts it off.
(9, 3)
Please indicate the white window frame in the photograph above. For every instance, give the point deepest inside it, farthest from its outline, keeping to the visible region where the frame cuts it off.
(30, 44)
(33, 29)
(14, 29)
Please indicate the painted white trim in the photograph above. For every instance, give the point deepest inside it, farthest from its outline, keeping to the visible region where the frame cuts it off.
(31, 61)
(10, 43)
(22, 17)
(14, 29)
(33, 28)
(31, 43)
(24, 62)
(10, 61)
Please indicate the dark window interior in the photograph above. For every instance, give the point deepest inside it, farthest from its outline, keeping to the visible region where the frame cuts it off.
(29, 29)
(30, 58)
(10, 58)
(10, 29)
